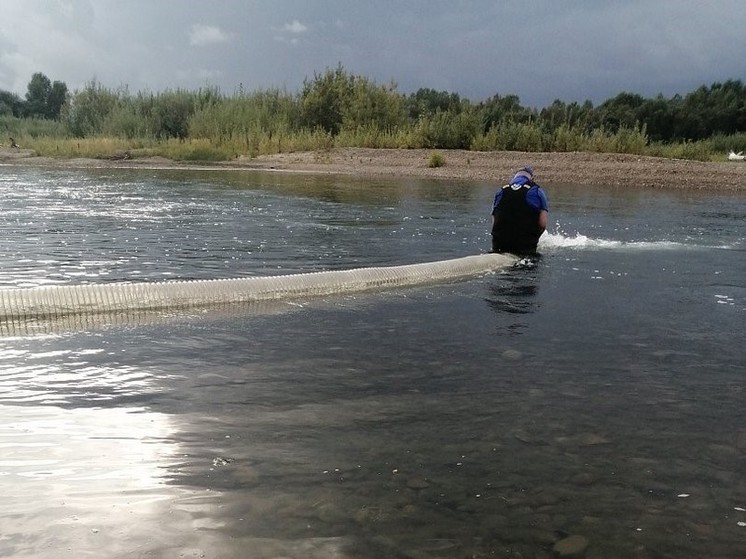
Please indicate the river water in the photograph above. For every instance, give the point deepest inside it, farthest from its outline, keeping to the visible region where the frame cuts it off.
(592, 398)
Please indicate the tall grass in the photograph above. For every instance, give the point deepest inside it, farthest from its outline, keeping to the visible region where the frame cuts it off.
(514, 138)
(96, 148)
(723, 144)
(694, 151)
(26, 130)
(372, 137)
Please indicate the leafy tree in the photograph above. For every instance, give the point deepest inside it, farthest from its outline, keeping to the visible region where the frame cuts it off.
(620, 111)
(555, 115)
(375, 106)
(45, 99)
(36, 98)
(336, 99)
(11, 104)
(56, 99)
(426, 102)
(658, 114)
(324, 99)
(171, 114)
(718, 109)
(497, 110)
(570, 116)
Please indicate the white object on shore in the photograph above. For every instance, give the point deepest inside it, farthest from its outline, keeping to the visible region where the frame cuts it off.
(736, 156)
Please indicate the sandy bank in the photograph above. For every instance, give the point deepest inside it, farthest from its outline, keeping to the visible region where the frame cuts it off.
(551, 168)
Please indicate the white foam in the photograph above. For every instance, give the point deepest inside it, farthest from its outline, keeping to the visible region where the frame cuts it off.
(558, 240)
(550, 241)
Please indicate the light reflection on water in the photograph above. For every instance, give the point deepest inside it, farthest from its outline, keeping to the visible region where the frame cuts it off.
(597, 392)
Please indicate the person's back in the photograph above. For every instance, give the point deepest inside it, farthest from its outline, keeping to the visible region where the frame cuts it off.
(519, 215)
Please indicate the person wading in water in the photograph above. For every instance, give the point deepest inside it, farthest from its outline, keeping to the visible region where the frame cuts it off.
(520, 213)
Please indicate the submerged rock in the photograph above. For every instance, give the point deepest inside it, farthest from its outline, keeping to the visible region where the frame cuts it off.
(417, 483)
(571, 546)
(512, 354)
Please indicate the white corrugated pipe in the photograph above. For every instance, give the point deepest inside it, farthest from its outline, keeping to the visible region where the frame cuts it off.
(54, 302)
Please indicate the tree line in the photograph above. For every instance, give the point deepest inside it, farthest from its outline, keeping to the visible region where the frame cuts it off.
(337, 108)
(44, 99)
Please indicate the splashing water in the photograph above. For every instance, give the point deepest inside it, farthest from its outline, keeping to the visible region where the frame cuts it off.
(562, 240)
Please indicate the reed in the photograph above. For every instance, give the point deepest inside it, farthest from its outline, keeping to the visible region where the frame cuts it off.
(93, 148)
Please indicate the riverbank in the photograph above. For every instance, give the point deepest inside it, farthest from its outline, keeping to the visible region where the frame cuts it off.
(592, 169)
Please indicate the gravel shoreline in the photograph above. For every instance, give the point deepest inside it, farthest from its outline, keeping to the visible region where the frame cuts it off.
(592, 169)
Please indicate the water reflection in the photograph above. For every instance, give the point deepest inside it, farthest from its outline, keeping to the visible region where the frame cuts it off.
(75, 479)
(515, 291)
(86, 322)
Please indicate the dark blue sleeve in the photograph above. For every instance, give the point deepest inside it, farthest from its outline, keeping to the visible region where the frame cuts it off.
(496, 201)
(537, 199)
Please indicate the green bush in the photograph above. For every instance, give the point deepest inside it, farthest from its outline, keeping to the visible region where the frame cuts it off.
(513, 136)
(436, 160)
(630, 140)
(446, 130)
(567, 138)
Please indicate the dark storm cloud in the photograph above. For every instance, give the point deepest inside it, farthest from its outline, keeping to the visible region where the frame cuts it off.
(539, 50)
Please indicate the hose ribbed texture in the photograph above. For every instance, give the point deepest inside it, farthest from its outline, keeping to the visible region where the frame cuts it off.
(64, 300)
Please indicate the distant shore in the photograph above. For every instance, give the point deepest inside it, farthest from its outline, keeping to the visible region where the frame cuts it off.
(592, 169)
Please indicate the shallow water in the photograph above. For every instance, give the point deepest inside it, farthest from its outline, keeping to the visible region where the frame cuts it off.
(596, 392)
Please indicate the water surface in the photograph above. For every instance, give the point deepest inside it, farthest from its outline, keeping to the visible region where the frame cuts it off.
(596, 392)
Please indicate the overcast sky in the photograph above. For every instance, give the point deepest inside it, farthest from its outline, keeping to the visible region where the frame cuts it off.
(539, 50)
